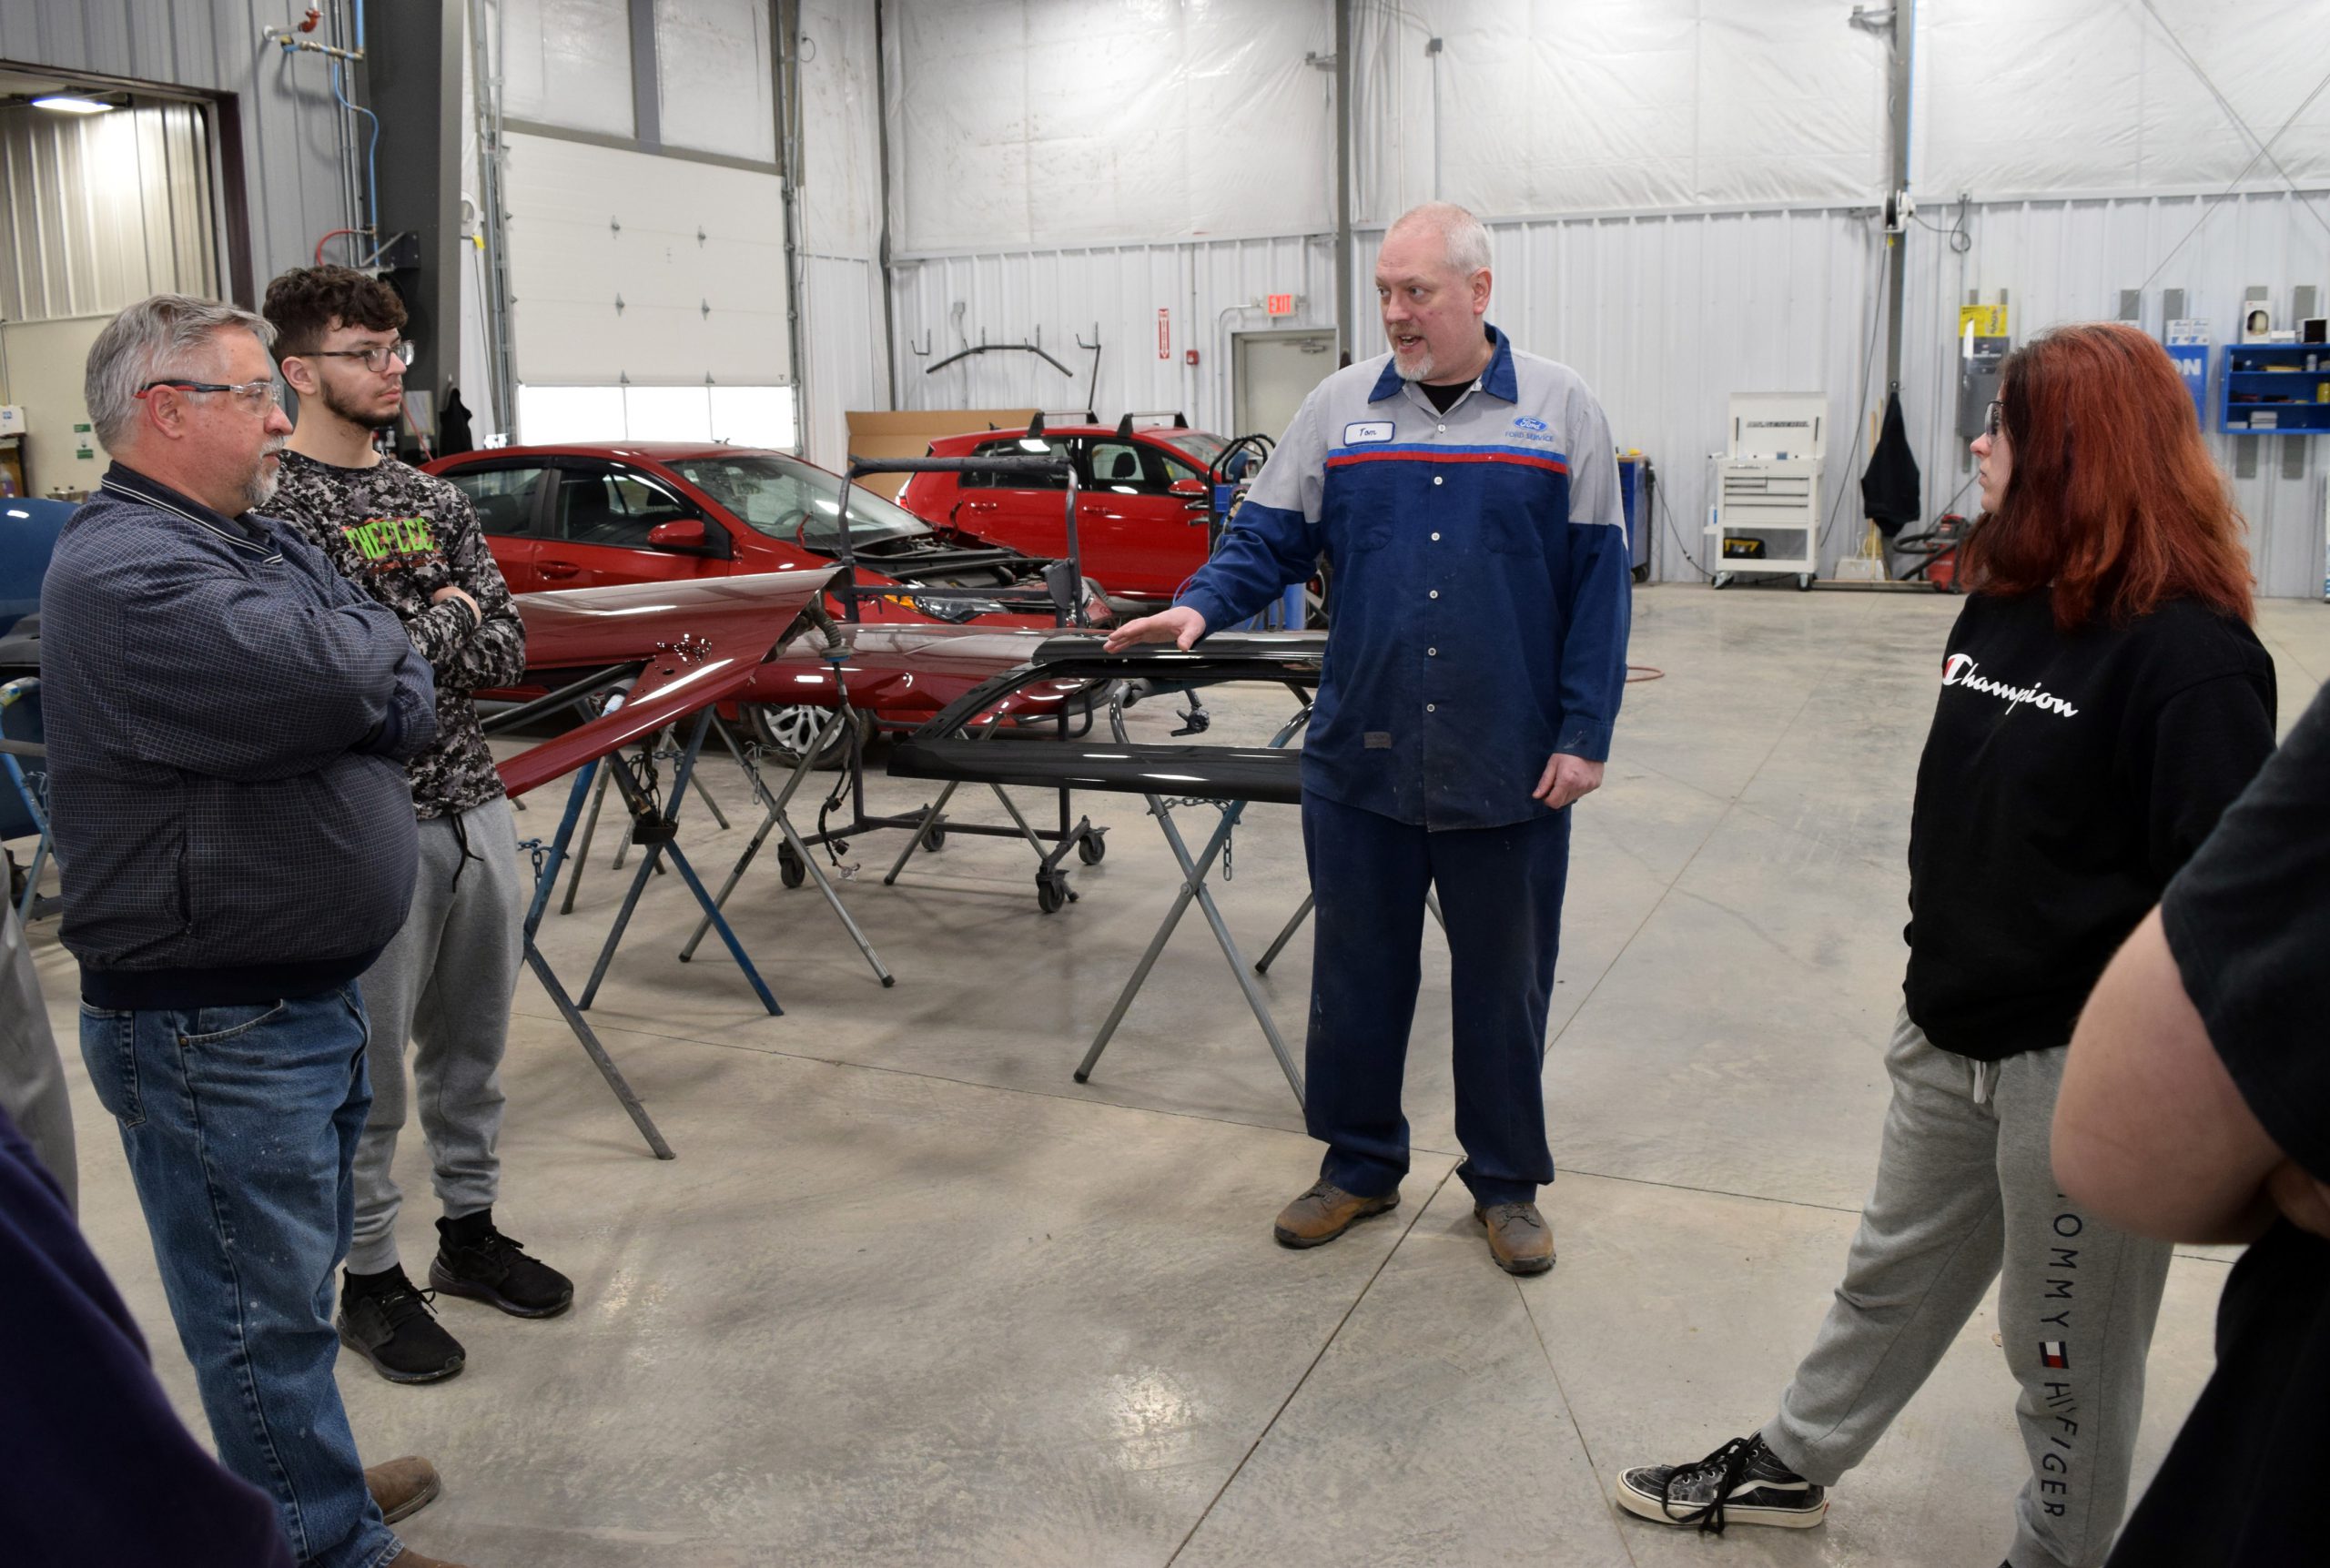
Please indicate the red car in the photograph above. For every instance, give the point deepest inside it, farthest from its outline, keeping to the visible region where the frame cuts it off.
(1141, 518)
(654, 511)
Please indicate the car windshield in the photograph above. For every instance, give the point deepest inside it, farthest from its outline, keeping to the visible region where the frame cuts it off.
(776, 495)
(1198, 446)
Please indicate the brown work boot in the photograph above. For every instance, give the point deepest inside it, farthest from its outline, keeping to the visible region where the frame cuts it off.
(1519, 1239)
(402, 1488)
(1325, 1212)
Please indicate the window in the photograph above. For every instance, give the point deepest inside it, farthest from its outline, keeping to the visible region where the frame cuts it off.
(1126, 468)
(797, 502)
(596, 506)
(716, 91)
(1016, 447)
(504, 498)
(569, 64)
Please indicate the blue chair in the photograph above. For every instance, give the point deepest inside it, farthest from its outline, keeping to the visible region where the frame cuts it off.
(28, 530)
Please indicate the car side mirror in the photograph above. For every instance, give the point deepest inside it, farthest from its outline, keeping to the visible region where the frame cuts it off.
(682, 534)
(1189, 487)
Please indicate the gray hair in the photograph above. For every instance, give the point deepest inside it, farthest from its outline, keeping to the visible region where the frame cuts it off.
(148, 340)
(1466, 237)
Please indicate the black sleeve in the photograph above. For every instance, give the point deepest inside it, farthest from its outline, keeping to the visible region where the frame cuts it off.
(103, 1471)
(2207, 742)
(2248, 921)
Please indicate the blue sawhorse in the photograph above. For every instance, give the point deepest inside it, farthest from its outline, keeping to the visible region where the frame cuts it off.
(653, 827)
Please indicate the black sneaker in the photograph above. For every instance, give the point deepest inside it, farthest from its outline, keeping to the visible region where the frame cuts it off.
(388, 1322)
(474, 1259)
(1742, 1482)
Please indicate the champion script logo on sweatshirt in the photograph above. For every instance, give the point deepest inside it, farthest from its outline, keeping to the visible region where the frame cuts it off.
(1958, 671)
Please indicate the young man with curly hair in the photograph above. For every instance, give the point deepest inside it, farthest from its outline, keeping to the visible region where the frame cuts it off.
(413, 542)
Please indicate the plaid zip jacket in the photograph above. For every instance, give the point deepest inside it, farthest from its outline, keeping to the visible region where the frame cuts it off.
(400, 535)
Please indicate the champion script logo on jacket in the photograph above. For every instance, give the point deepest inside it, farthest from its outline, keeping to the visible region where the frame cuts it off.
(1958, 671)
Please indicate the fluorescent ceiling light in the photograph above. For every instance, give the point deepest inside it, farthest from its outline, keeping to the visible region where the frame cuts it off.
(66, 105)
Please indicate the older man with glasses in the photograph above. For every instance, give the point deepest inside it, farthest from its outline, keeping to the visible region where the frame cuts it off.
(228, 723)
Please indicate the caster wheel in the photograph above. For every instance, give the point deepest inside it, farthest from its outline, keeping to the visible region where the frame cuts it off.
(934, 838)
(790, 870)
(1722, 579)
(1051, 892)
(1804, 582)
(1091, 851)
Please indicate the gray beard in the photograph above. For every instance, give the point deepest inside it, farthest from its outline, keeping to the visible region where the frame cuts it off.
(259, 488)
(1422, 373)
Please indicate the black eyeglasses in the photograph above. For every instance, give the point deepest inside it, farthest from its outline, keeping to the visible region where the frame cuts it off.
(1994, 420)
(376, 359)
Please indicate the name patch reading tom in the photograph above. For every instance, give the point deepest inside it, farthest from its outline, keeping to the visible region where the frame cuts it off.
(1377, 740)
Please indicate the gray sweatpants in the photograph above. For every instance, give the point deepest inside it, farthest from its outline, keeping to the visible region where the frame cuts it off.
(444, 984)
(1965, 1185)
(32, 1076)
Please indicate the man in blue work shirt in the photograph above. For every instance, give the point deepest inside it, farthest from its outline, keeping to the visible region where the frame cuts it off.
(1467, 498)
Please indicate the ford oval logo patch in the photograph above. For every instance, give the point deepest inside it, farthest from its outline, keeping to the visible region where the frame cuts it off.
(1367, 430)
(1527, 423)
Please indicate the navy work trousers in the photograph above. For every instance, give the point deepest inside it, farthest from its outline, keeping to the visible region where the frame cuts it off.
(1500, 892)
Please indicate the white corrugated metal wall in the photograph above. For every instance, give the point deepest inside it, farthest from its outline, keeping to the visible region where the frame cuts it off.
(946, 304)
(104, 209)
(1667, 316)
(2067, 260)
(294, 187)
(1668, 313)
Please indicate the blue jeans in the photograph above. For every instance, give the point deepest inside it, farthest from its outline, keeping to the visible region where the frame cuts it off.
(240, 1124)
(1500, 892)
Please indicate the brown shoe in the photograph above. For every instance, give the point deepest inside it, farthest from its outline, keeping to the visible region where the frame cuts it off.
(403, 1487)
(1325, 1212)
(1519, 1239)
(409, 1558)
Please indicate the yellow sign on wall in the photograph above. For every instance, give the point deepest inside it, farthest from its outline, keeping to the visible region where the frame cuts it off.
(1985, 320)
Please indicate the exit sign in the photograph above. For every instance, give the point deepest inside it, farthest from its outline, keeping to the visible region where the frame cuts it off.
(1279, 303)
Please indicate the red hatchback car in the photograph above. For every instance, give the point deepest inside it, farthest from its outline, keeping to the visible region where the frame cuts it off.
(1141, 518)
(653, 511)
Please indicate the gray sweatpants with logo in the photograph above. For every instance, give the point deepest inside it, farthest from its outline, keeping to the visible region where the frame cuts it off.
(444, 985)
(1966, 1194)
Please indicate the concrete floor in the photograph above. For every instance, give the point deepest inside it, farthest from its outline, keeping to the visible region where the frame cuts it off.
(909, 1294)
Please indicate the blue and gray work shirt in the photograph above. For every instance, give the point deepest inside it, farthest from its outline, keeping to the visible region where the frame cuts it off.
(1481, 584)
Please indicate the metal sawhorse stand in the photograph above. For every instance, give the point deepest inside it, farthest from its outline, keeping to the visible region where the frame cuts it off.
(1194, 872)
(779, 821)
(654, 828)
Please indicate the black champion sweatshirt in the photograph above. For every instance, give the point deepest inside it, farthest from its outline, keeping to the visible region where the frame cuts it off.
(2065, 780)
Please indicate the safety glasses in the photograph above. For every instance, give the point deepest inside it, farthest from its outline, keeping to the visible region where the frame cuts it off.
(254, 396)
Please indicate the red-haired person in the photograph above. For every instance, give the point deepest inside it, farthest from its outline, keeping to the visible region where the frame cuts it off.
(2102, 699)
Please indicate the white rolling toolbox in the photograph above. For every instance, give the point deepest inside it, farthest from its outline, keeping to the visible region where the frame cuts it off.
(1768, 486)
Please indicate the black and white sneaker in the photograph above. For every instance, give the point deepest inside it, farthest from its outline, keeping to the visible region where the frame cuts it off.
(1742, 1482)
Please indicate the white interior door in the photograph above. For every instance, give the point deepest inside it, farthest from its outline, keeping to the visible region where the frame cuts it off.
(1271, 373)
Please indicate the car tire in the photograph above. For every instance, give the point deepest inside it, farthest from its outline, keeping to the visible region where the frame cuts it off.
(784, 730)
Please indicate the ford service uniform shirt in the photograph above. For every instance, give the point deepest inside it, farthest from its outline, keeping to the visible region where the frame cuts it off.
(1481, 592)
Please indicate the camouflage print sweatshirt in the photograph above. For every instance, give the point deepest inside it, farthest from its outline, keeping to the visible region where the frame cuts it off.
(400, 535)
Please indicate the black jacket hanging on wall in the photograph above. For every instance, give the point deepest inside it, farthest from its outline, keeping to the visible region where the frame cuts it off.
(1889, 486)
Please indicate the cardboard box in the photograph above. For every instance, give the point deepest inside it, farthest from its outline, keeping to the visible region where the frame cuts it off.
(908, 434)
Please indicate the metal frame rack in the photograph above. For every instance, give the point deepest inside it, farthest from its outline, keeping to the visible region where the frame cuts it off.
(1167, 776)
(928, 827)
